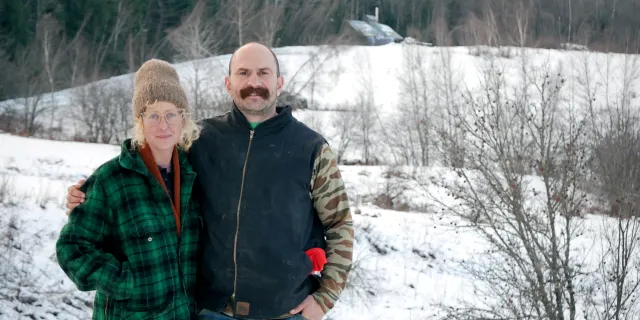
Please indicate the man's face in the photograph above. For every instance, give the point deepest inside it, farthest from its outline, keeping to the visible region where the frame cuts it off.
(253, 83)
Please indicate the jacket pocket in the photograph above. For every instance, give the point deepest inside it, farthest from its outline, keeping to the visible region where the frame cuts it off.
(150, 247)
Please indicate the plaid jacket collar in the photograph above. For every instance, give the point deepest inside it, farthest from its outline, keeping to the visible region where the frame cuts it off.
(130, 159)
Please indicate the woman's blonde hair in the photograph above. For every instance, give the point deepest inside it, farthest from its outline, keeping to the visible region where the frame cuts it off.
(190, 130)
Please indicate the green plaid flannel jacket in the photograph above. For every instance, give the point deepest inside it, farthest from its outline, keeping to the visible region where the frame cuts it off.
(122, 242)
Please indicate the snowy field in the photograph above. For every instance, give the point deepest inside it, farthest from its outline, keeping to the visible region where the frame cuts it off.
(406, 262)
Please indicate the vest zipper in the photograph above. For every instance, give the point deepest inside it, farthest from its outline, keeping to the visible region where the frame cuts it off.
(235, 241)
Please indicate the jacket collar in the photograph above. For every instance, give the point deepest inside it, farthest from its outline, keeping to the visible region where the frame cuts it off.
(283, 117)
(152, 166)
(131, 159)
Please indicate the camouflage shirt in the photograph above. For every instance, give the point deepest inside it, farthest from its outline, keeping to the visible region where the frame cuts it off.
(332, 206)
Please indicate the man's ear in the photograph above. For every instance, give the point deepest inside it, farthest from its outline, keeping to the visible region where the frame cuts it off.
(280, 85)
(227, 83)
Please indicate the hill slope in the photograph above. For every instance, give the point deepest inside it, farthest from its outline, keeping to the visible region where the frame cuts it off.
(386, 82)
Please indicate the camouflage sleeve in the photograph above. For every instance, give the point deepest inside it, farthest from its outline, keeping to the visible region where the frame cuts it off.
(332, 206)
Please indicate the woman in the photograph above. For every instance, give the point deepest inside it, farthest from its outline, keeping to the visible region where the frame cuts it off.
(135, 238)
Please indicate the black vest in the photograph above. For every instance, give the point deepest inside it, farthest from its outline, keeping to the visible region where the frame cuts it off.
(258, 213)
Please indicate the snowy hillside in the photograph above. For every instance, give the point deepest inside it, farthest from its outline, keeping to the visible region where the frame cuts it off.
(386, 81)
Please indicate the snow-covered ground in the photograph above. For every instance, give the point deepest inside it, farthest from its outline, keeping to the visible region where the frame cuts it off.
(405, 261)
(399, 254)
(35, 173)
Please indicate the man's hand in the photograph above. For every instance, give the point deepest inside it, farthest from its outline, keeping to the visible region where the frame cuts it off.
(74, 196)
(310, 309)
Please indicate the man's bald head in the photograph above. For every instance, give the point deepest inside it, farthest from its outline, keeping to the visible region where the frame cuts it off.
(254, 46)
(254, 80)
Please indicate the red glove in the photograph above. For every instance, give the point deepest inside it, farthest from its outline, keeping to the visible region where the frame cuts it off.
(318, 259)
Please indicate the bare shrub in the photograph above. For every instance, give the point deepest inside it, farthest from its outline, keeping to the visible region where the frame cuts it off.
(104, 110)
(344, 122)
(528, 270)
(197, 36)
(362, 281)
(44, 196)
(7, 190)
(10, 119)
(615, 281)
(366, 112)
(315, 74)
(448, 100)
(413, 127)
(391, 194)
(15, 273)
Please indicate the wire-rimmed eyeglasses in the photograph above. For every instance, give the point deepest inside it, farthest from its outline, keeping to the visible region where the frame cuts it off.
(153, 118)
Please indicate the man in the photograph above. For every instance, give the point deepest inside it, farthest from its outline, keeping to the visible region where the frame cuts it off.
(271, 193)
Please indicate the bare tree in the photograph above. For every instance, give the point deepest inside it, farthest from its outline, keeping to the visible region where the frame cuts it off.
(447, 95)
(197, 36)
(138, 50)
(195, 40)
(97, 112)
(207, 96)
(79, 53)
(441, 32)
(615, 283)
(492, 29)
(105, 41)
(52, 45)
(239, 14)
(198, 92)
(480, 31)
(366, 110)
(530, 223)
(414, 127)
(472, 31)
(521, 16)
(10, 117)
(320, 69)
(269, 21)
(29, 82)
(121, 120)
(344, 123)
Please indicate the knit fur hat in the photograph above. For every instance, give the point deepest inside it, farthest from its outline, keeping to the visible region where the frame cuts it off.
(157, 80)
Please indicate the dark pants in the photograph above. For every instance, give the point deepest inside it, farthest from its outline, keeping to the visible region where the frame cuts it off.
(210, 315)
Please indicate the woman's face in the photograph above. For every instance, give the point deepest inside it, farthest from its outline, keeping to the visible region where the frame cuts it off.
(162, 123)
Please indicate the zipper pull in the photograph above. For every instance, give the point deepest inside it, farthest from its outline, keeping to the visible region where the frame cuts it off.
(251, 135)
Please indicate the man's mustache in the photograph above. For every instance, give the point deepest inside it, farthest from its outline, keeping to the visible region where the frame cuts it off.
(260, 91)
